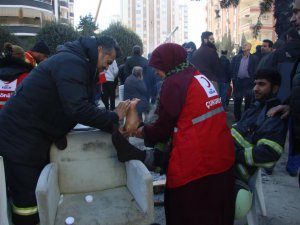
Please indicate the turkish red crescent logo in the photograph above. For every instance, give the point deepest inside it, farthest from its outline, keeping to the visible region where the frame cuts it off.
(7, 82)
(208, 83)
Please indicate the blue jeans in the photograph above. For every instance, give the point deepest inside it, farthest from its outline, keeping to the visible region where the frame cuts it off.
(223, 88)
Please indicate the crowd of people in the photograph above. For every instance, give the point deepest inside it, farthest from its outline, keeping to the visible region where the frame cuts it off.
(42, 98)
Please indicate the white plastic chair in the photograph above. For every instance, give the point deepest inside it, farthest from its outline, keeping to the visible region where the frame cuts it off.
(255, 184)
(3, 198)
(122, 192)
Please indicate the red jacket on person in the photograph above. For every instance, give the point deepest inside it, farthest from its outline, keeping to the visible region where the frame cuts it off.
(202, 143)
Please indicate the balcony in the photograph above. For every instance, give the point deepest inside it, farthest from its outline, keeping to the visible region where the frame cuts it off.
(64, 4)
(42, 4)
(64, 20)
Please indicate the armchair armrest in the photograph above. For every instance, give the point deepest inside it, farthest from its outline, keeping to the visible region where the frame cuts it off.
(48, 194)
(139, 183)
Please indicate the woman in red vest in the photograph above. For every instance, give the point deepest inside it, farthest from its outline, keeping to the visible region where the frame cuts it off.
(200, 176)
(13, 69)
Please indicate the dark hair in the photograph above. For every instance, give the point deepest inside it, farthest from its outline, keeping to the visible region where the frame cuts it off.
(108, 44)
(41, 47)
(293, 34)
(205, 35)
(224, 52)
(191, 45)
(271, 75)
(137, 50)
(269, 42)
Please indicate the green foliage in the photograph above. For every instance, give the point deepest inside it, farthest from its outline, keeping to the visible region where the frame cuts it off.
(282, 13)
(244, 39)
(5, 36)
(227, 3)
(55, 34)
(125, 37)
(87, 26)
(226, 44)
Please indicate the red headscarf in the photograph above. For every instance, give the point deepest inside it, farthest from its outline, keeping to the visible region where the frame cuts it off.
(167, 56)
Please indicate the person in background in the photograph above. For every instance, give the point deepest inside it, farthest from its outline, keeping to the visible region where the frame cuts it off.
(191, 120)
(121, 73)
(266, 50)
(206, 58)
(109, 87)
(135, 87)
(190, 48)
(224, 78)
(54, 97)
(38, 53)
(292, 105)
(243, 67)
(258, 53)
(13, 69)
(135, 60)
(152, 82)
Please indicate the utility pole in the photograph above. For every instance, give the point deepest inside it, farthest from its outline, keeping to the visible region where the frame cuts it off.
(98, 9)
(171, 34)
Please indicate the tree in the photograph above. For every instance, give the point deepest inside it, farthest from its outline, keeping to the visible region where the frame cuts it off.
(244, 39)
(55, 34)
(5, 36)
(125, 37)
(282, 13)
(87, 26)
(226, 44)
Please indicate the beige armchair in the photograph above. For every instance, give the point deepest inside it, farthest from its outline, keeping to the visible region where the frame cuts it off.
(122, 192)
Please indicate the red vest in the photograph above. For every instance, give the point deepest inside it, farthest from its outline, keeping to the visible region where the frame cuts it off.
(8, 88)
(202, 142)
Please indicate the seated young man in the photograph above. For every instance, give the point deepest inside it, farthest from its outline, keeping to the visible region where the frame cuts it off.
(259, 139)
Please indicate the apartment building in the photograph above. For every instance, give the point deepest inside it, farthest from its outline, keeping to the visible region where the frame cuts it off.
(25, 18)
(239, 21)
(156, 21)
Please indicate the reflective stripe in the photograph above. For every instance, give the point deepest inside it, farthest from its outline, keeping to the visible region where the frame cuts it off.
(2, 102)
(249, 156)
(278, 148)
(207, 115)
(242, 170)
(175, 129)
(25, 211)
(239, 138)
(265, 165)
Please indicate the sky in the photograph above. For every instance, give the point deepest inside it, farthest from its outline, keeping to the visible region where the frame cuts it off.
(109, 8)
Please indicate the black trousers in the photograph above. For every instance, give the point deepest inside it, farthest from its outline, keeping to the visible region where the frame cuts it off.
(21, 181)
(242, 89)
(109, 95)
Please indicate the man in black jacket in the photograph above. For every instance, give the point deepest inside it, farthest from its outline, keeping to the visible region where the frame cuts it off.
(55, 96)
(206, 58)
(224, 78)
(135, 60)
